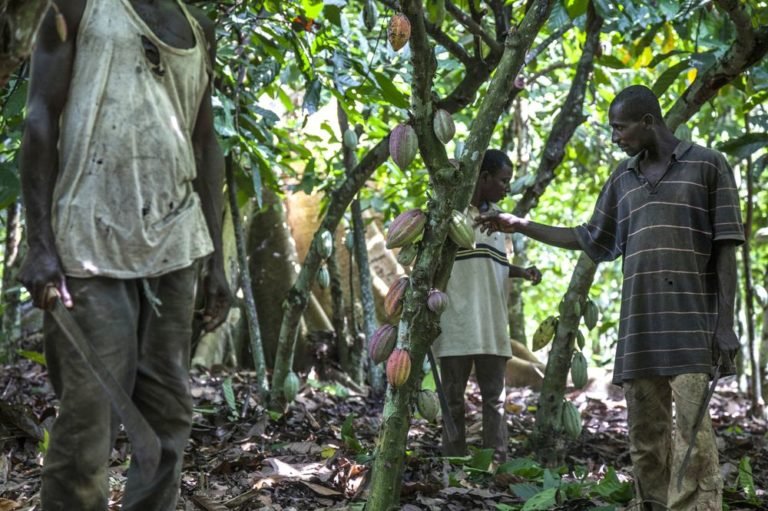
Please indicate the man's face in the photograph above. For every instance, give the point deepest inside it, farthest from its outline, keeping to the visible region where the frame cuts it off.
(629, 134)
(496, 185)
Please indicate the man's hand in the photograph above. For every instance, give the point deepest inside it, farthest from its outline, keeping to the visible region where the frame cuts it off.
(726, 349)
(218, 298)
(40, 272)
(496, 221)
(533, 275)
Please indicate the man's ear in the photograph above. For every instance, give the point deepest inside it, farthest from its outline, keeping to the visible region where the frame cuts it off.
(648, 120)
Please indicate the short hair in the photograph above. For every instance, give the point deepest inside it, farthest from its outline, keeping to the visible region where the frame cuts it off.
(494, 160)
(638, 100)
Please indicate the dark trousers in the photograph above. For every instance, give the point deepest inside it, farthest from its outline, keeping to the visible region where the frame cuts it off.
(146, 348)
(489, 372)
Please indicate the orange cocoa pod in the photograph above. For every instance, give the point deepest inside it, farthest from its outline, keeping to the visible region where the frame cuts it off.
(399, 31)
(398, 367)
(393, 302)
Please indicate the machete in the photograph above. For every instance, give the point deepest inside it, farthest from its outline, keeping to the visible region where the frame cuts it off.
(696, 426)
(144, 440)
(450, 428)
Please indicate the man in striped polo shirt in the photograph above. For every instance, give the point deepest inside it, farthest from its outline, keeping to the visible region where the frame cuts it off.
(671, 211)
(475, 326)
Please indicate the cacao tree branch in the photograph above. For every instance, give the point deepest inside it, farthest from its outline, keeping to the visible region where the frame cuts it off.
(749, 48)
(472, 26)
(556, 35)
(19, 22)
(567, 121)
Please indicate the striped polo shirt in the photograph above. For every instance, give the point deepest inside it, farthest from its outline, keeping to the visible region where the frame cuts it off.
(665, 234)
(476, 320)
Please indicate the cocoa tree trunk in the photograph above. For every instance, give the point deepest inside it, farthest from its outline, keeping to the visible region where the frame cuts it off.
(245, 284)
(452, 189)
(547, 439)
(19, 21)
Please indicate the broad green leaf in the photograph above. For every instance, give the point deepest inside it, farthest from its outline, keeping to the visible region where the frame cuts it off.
(348, 435)
(744, 480)
(745, 145)
(668, 77)
(390, 92)
(34, 356)
(10, 187)
(312, 97)
(542, 501)
(229, 396)
(576, 8)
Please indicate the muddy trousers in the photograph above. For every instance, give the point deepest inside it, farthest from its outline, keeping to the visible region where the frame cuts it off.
(141, 329)
(489, 372)
(657, 447)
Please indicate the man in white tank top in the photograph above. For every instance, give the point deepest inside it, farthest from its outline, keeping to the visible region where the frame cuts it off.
(121, 178)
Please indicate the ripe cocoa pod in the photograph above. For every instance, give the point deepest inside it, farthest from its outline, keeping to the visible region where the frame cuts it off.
(370, 15)
(579, 370)
(325, 248)
(544, 333)
(398, 367)
(393, 302)
(408, 254)
(428, 404)
(323, 277)
(349, 139)
(571, 419)
(403, 145)
(437, 301)
(399, 31)
(406, 228)
(591, 313)
(382, 343)
(460, 230)
(442, 124)
(290, 386)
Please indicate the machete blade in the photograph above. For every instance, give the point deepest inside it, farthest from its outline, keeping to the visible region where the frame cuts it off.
(144, 440)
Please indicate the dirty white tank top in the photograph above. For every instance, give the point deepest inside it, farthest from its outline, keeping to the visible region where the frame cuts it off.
(123, 204)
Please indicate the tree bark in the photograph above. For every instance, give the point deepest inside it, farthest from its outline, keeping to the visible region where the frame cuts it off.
(547, 439)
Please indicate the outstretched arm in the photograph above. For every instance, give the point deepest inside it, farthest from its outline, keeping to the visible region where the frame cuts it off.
(208, 185)
(563, 237)
(52, 63)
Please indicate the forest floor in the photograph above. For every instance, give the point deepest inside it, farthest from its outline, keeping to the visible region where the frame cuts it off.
(317, 455)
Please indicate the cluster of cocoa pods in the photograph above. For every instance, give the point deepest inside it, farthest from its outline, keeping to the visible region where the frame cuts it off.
(324, 249)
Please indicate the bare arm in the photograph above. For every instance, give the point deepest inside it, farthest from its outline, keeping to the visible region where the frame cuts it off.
(563, 237)
(531, 273)
(725, 338)
(208, 185)
(52, 64)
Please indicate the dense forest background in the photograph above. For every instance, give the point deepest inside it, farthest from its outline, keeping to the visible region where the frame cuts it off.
(306, 96)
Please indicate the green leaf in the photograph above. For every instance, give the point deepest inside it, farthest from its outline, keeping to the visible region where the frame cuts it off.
(745, 145)
(389, 91)
(525, 491)
(744, 480)
(612, 489)
(10, 187)
(523, 467)
(668, 77)
(481, 459)
(348, 435)
(576, 8)
(34, 356)
(542, 501)
(312, 96)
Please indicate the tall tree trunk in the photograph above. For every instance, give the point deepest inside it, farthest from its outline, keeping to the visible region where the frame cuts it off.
(338, 316)
(452, 189)
(547, 438)
(516, 304)
(19, 21)
(245, 284)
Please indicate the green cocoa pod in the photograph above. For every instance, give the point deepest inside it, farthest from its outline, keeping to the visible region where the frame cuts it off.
(442, 124)
(579, 370)
(408, 254)
(580, 341)
(290, 386)
(460, 230)
(350, 139)
(428, 405)
(571, 419)
(325, 247)
(591, 313)
(370, 15)
(323, 277)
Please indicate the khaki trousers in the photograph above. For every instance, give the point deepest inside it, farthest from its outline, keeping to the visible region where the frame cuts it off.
(657, 446)
(489, 372)
(148, 353)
